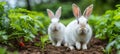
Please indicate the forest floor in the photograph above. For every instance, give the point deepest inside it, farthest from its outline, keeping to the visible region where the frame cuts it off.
(95, 46)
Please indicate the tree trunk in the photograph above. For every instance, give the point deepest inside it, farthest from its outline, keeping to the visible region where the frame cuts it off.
(28, 5)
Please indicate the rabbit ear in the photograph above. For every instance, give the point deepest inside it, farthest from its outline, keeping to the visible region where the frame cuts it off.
(58, 12)
(76, 10)
(50, 13)
(88, 11)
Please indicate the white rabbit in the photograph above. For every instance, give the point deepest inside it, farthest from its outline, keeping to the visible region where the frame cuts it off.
(56, 29)
(79, 31)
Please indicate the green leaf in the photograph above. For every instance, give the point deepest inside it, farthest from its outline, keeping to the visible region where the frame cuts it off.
(44, 38)
(108, 47)
(117, 24)
(5, 37)
(2, 50)
(17, 27)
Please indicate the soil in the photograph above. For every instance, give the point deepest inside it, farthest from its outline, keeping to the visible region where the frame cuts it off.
(95, 46)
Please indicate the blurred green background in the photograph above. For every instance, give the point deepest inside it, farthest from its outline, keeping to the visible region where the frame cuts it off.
(28, 19)
(100, 6)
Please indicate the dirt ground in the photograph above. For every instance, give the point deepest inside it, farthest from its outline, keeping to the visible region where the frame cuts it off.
(94, 47)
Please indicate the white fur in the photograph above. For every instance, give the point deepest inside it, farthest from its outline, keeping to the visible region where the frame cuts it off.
(56, 37)
(73, 36)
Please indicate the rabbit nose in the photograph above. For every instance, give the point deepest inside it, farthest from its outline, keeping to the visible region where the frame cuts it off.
(55, 28)
(82, 30)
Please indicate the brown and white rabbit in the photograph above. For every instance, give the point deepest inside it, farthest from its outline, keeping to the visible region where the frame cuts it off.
(56, 29)
(79, 31)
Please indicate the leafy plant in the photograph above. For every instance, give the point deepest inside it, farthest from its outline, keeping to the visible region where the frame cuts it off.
(26, 23)
(4, 51)
(107, 27)
(43, 40)
(20, 25)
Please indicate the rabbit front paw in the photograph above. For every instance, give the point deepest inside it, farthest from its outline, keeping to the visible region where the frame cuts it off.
(84, 46)
(71, 47)
(78, 45)
(58, 43)
(53, 44)
(65, 44)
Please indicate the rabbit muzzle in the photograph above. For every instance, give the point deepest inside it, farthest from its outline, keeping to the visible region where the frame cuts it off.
(55, 29)
(83, 31)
